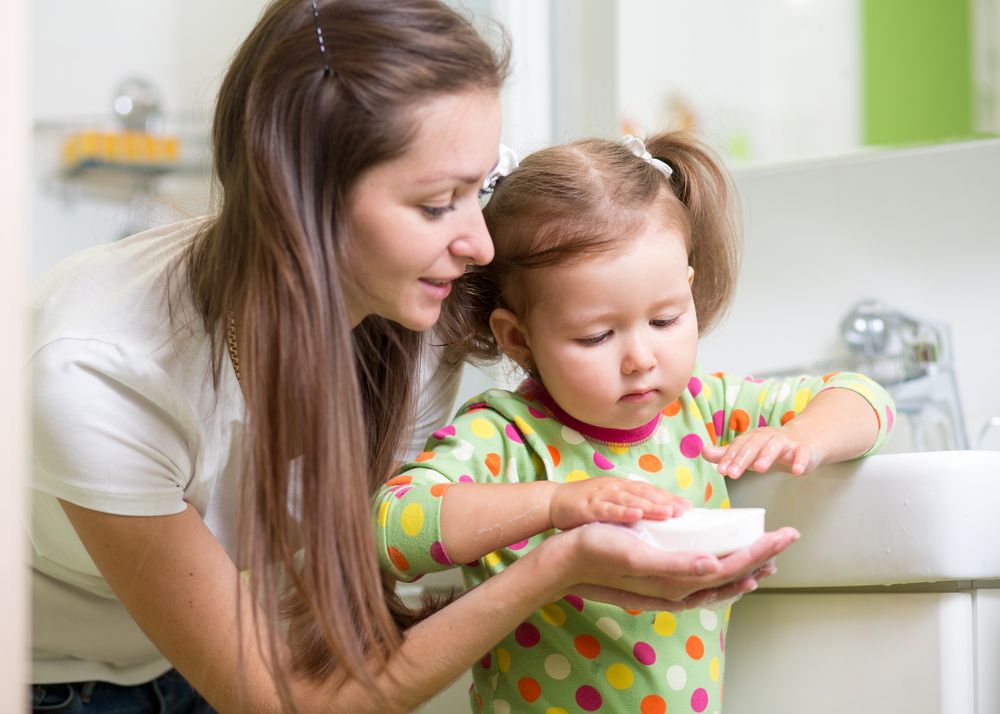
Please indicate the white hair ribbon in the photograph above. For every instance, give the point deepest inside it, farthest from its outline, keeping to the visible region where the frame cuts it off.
(506, 163)
(637, 147)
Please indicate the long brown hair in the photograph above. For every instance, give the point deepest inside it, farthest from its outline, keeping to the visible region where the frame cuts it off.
(568, 202)
(290, 141)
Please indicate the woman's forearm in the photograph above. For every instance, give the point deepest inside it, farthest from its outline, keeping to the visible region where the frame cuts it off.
(477, 519)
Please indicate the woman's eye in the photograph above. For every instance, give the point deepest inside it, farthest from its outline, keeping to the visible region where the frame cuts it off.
(438, 211)
(595, 340)
(663, 323)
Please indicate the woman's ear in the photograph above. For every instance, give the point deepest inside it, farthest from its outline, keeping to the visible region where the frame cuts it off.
(512, 338)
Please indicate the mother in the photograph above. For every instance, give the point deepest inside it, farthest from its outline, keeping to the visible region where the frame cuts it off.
(224, 394)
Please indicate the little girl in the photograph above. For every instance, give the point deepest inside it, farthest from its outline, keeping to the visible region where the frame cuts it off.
(610, 261)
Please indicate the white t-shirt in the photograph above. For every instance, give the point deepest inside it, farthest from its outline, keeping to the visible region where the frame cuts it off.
(126, 421)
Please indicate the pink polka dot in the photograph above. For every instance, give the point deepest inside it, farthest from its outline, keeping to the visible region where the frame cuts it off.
(576, 601)
(527, 635)
(699, 700)
(691, 445)
(475, 407)
(761, 421)
(717, 420)
(888, 419)
(519, 545)
(694, 386)
(444, 432)
(644, 653)
(487, 660)
(465, 478)
(438, 553)
(401, 492)
(602, 463)
(537, 414)
(588, 698)
(512, 434)
(722, 641)
(473, 564)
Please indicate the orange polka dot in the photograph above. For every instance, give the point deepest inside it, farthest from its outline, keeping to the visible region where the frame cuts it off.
(554, 453)
(673, 408)
(695, 647)
(708, 492)
(493, 463)
(739, 420)
(633, 612)
(398, 559)
(710, 427)
(720, 375)
(424, 456)
(649, 462)
(653, 704)
(831, 375)
(399, 481)
(438, 489)
(588, 646)
(787, 417)
(479, 701)
(529, 688)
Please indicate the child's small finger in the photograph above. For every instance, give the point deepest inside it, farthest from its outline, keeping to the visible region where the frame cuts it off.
(712, 454)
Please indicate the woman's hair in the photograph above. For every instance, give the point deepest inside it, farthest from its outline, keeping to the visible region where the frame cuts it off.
(566, 203)
(291, 139)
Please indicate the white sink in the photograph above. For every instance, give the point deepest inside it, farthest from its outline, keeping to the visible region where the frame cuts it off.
(891, 519)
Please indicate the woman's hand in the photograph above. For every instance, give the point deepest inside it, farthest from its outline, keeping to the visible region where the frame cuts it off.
(766, 448)
(611, 500)
(609, 563)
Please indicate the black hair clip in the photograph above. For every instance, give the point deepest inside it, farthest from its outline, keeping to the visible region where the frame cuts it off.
(322, 44)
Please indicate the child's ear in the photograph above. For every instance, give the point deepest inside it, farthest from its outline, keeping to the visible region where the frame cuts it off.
(690, 275)
(510, 335)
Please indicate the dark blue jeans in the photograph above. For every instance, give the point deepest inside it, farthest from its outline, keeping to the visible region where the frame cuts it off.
(168, 694)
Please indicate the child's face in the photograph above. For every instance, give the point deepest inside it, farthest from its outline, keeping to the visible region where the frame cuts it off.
(614, 338)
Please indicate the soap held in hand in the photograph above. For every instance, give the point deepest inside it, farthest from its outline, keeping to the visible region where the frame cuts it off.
(707, 530)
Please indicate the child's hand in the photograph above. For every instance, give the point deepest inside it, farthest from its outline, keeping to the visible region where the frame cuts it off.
(611, 500)
(767, 448)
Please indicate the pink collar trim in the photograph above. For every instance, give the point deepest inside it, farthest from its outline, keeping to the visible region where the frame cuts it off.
(534, 390)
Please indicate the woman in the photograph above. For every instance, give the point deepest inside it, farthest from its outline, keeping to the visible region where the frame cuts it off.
(223, 395)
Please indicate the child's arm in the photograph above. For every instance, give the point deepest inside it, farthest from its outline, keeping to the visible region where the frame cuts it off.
(474, 491)
(820, 421)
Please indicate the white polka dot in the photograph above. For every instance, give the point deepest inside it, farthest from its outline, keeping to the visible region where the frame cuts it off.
(732, 391)
(464, 451)
(637, 477)
(661, 436)
(495, 680)
(610, 628)
(500, 707)
(557, 666)
(497, 393)
(709, 619)
(571, 436)
(677, 677)
(785, 390)
(510, 474)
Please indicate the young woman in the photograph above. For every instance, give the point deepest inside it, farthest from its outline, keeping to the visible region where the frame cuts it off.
(216, 401)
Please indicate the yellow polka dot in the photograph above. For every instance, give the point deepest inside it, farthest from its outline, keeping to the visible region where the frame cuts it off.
(576, 475)
(383, 513)
(553, 614)
(523, 426)
(725, 503)
(492, 559)
(412, 519)
(556, 710)
(683, 476)
(665, 624)
(695, 411)
(865, 392)
(706, 391)
(728, 610)
(618, 449)
(503, 659)
(761, 397)
(482, 428)
(620, 676)
(714, 670)
(802, 398)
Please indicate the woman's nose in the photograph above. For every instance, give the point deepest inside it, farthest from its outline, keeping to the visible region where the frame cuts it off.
(473, 242)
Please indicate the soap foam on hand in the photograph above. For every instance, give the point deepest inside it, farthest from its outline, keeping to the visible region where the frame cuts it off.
(717, 531)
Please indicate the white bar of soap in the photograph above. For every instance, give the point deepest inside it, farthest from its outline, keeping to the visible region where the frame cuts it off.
(717, 531)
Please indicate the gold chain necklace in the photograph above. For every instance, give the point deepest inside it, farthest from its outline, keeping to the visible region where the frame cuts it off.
(234, 355)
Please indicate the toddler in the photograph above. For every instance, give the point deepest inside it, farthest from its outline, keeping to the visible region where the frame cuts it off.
(611, 259)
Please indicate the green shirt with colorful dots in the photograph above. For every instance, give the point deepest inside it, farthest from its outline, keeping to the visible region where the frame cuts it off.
(577, 655)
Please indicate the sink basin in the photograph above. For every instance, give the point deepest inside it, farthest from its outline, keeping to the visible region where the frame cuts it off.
(885, 520)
